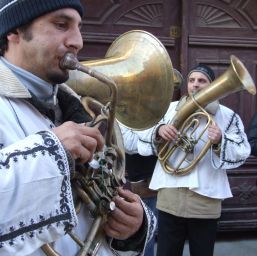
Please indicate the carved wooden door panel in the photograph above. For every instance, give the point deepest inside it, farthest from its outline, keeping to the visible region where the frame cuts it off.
(214, 30)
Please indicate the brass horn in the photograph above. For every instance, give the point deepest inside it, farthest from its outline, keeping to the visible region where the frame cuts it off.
(234, 79)
(142, 70)
(134, 83)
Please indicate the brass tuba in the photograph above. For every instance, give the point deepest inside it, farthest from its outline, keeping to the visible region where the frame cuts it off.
(142, 70)
(133, 83)
(234, 79)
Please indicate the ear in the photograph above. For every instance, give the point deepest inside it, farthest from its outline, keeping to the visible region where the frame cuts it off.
(13, 36)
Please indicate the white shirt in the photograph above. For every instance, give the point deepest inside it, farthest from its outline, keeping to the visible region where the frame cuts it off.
(209, 177)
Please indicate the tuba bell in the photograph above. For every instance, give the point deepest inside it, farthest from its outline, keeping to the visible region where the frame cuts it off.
(133, 83)
(236, 78)
(142, 70)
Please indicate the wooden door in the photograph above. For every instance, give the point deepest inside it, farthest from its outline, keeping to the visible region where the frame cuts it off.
(212, 32)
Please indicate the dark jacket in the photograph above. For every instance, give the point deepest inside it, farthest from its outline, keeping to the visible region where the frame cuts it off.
(140, 167)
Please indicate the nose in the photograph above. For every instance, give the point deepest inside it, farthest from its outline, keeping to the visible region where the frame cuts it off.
(195, 84)
(75, 40)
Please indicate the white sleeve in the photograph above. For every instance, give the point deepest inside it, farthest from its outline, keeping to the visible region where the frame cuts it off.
(137, 141)
(35, 192)
(143, 142)
(235, 148)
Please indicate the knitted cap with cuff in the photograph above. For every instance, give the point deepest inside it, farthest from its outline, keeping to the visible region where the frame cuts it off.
(206, 70)
(16, 13)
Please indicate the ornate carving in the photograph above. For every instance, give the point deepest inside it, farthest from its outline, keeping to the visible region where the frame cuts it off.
(98, 11)
(248, 10)
(245, 191)
(209, 16)
(145, 15)
(245, 42)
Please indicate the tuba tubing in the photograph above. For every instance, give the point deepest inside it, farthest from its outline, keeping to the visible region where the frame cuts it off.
(88, 195)
(136, 69)
(236, 78)
(71, 62)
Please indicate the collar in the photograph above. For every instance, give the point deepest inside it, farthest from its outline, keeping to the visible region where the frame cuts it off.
(10, 86)
(44, 91)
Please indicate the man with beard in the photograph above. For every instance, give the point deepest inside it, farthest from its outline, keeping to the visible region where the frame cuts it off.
(189, 206)
(41, 137)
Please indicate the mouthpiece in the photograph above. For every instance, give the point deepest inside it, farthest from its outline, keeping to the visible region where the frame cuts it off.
(69, 61)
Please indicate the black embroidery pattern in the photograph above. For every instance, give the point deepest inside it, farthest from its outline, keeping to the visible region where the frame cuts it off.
(233, 122)
(29, 152)
(52, 148)
(150, 216)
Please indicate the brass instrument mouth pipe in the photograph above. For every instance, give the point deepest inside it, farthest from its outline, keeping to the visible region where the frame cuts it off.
(69, 61)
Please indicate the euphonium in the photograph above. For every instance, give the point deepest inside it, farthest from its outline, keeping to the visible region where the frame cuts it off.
(134, 84)
(234, 79)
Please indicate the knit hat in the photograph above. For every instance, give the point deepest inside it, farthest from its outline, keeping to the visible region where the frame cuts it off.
(206, 70)
(16, 13)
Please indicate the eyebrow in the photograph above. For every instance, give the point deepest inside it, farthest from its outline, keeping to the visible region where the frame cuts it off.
(66, 17)
(205, 79)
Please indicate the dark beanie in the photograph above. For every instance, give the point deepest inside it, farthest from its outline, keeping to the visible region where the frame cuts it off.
(206, 70)
(16, 13)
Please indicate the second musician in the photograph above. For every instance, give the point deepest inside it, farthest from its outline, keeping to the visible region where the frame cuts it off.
(190, 205)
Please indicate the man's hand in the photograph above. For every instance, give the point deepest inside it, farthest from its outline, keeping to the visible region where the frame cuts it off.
(168, 132)
(127, 217)
(214, 134)
(81, 141)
